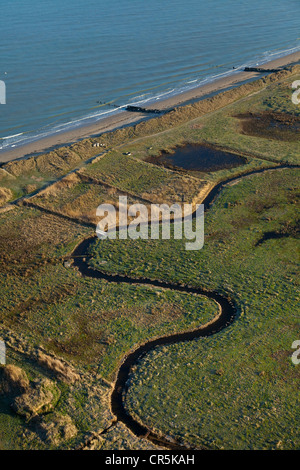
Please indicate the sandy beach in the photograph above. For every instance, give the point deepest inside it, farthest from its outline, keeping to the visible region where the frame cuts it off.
(125, 118)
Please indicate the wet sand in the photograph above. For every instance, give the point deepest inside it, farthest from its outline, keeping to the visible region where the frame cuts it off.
(125, 118)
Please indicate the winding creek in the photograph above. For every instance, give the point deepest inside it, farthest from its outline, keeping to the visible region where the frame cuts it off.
(228, 312)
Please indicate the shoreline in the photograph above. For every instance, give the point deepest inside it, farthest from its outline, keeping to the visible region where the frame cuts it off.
(125, 118)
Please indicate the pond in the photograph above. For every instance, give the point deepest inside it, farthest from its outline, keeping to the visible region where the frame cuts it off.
(198, 157)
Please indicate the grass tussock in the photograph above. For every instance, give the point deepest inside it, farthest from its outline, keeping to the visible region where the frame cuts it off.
(5, 195)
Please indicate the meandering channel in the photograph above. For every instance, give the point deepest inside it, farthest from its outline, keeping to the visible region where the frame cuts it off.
(228, 310)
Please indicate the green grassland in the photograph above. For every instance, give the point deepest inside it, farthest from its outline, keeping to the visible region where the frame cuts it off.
(237, 389)
(91, 323)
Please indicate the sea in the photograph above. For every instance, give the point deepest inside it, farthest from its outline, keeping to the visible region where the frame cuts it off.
(68, 63)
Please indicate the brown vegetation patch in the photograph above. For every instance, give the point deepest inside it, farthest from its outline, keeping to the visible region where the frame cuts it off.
(65, 183)
(5, 195)
(25, 236)
(197, 126)
(14, 380)
(5, 175)
(86, 340)
(78, 200)
(276, 126)
(61, 369)
(54, 163)
(30, 188)
(177, 189)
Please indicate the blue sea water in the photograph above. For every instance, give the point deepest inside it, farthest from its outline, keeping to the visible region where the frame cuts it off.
(60, 58)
